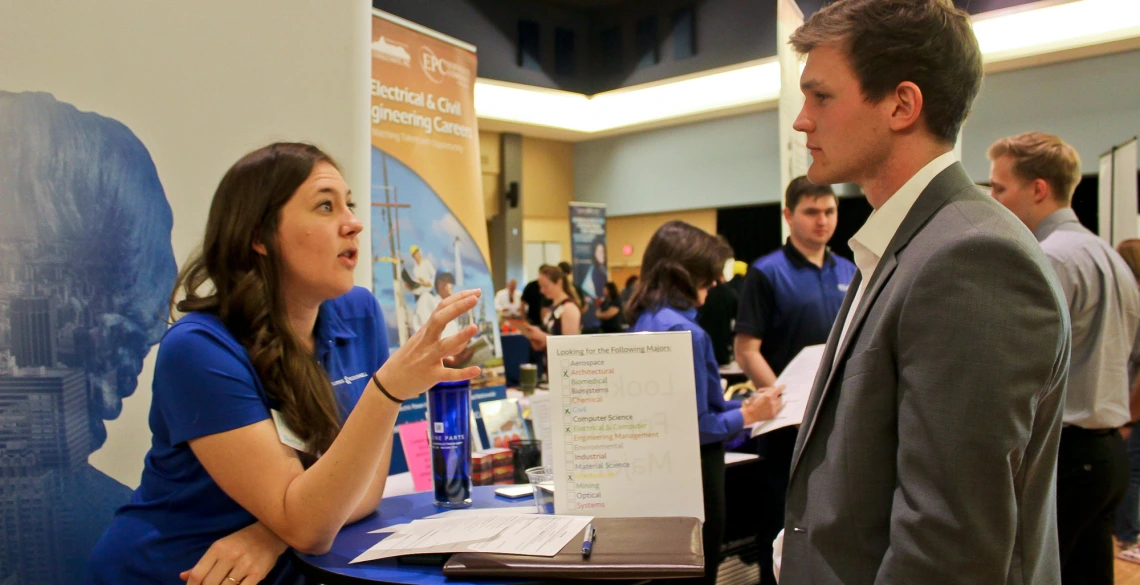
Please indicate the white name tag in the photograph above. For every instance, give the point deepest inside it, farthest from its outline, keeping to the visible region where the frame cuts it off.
(844, 287)
(286, 434)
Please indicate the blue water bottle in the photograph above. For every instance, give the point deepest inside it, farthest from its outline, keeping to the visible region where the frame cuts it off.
(449, 413)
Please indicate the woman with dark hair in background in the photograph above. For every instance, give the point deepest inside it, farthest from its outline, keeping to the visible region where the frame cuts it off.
(627, 292)
(564, 316)
(610, 310)
(680, 265)
(254, 448)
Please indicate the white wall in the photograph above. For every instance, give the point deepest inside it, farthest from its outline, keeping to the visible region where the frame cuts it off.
(1092, 104)
(200, 84)
(716, 163)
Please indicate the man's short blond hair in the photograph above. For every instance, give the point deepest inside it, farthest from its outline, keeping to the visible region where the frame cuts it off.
(1037, 155)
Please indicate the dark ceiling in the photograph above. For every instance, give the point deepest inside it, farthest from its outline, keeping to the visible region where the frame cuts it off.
(585, 5)
(808, 6)
(591, 46)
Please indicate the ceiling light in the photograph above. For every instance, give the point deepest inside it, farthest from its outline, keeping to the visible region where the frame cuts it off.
(512, 102)
(754, 83)
(1004, 35)
(717, 91)
(1007, 35)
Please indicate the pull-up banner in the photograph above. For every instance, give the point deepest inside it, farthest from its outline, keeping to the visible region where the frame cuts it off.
(429, 228)
(1117, 194)
(588, 249)
(794, 158)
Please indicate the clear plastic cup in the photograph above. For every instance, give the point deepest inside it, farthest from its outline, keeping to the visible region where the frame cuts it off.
(542, 481)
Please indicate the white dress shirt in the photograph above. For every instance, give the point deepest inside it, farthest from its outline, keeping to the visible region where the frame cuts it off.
(424, 273)
(871, 241)
(426, 304)
(507, 304)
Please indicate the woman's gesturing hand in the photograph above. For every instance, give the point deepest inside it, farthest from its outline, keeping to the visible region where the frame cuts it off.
(419, 364)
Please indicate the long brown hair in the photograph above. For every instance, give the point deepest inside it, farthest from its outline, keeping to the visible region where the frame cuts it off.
(246, 285)
(679, 259)
(554, 274)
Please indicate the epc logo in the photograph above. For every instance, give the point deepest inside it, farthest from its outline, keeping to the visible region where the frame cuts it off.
(437, 68)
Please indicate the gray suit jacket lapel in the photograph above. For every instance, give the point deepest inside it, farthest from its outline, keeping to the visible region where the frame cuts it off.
(946, 184)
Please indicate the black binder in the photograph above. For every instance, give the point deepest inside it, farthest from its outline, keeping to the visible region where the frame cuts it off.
(624, 548)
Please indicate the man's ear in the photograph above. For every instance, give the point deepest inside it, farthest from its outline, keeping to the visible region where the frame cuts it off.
(1040, 190)
(906, 106)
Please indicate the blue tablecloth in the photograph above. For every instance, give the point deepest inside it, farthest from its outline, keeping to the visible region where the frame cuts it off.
(354, 539)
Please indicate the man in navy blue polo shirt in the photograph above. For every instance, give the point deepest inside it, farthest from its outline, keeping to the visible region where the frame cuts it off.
(790, 300)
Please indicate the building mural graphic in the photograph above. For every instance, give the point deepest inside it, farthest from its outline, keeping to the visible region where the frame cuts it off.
(86, 267)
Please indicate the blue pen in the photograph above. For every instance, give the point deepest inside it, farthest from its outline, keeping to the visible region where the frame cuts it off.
(588, 541)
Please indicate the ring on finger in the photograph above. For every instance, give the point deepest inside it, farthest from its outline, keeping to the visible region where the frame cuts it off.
(238, 581)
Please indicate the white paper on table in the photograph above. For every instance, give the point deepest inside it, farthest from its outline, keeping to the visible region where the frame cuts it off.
(731, 457)
(533, 535)
(388, 529)
(537, 535)
(529, 509)
(540, 416)
(510, 511)
(798, 378)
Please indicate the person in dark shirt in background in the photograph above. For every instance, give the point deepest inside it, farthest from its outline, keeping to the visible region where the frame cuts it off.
(610, 311)
(630, 284)
(790, 301)
(717, 315)
(534, 301)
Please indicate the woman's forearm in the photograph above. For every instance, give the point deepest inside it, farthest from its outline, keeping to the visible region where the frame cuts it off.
(375, 493)
(321, 500)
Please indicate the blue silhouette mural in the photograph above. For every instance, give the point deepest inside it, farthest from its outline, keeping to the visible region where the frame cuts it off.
(86, 268)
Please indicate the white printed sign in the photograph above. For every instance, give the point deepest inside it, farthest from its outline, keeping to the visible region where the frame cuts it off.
(624, 415)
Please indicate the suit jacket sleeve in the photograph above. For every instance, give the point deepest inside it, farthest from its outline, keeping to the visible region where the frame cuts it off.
(982, 342)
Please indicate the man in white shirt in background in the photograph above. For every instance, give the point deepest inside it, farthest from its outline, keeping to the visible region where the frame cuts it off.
(1034, 175)
(928, 449)
(508, 302)
(444, 286)
(423, 273)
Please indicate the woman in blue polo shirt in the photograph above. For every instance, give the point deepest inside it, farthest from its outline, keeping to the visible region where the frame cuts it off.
(274, 396)
(680, 265)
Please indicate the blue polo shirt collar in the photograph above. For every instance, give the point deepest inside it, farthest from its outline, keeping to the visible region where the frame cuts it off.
(690, 313)
(330, 328)
(798, 260)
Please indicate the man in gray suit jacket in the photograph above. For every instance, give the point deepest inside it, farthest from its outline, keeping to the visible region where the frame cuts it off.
(928, 449)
